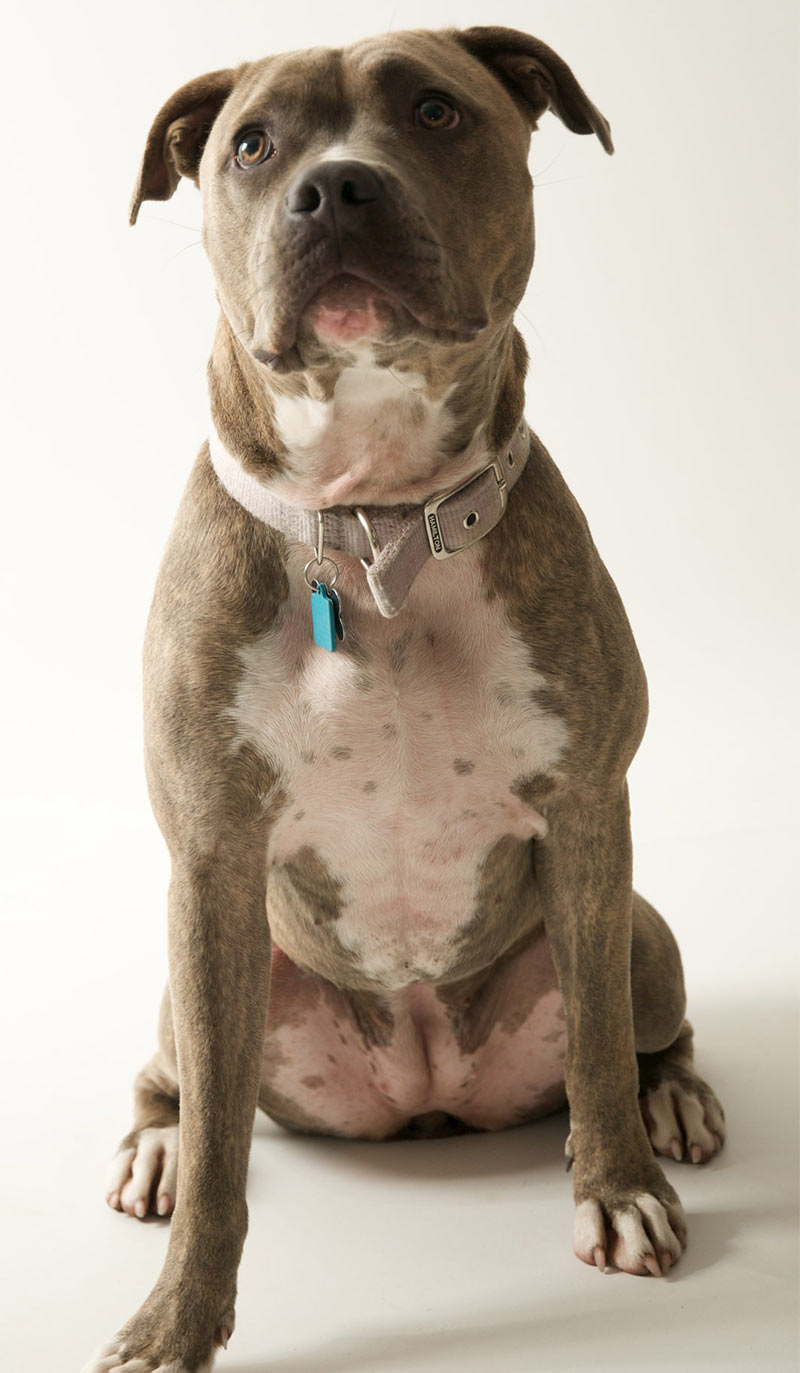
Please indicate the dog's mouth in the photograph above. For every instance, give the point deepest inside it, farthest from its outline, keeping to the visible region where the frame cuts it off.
(348, 308)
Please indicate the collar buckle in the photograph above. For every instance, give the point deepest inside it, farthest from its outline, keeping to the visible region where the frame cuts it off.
(472, 518)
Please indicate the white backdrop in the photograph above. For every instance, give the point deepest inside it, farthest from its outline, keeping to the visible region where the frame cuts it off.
(661, 319)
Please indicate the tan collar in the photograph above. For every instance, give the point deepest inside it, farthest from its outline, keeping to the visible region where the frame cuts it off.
(392, 543)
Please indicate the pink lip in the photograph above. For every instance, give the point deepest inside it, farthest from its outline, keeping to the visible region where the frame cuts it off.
(348, 307)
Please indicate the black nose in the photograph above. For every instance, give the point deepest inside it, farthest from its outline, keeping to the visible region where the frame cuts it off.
(337, 188)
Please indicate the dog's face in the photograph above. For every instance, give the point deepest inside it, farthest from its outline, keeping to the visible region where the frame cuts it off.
(366, 193)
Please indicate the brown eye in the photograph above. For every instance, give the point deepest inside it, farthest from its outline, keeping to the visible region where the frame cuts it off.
(253, 147)
(435, 113)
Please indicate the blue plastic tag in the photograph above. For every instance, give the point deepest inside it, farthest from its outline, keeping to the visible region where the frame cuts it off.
(323, 618)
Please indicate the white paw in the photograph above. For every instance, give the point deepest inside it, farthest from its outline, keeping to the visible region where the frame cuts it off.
(109, 1359)
(143, 1179)
(684, 1124)
(640, 1236)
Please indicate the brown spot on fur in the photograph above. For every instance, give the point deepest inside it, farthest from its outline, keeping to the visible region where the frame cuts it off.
(313, 1081)
(298, 815)
(289, 1115)
(363, 681)
(504, 995)
(397, 650)
(532, 788)
(390, 730)
(304, 901)
(425, 715)
(314, 883)
(463, 766)
(506, 909)
(341, 752)
(372, 1016)
(369, 786)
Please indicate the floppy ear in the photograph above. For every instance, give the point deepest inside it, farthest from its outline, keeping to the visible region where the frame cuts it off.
(175, 142)
(536, 77)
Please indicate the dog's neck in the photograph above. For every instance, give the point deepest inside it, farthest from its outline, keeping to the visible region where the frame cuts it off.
(366, 429)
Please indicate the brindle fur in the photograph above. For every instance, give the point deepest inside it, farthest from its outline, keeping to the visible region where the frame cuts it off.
(223, 583)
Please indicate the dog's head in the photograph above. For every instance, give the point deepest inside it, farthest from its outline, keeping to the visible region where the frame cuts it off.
(378, 192)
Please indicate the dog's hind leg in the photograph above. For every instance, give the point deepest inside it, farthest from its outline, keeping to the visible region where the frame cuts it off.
(143, 1175)
(683, 1116)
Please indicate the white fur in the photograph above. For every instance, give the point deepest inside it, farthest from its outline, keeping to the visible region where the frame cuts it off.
(677, 1115)
(107, 1359)
(134, 1171)
(377, 440)
(630, 1247)
(421, 788)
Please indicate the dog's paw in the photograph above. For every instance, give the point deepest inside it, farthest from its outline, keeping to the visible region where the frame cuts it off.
(121, 1355)
(143, 1177)
(639, 1233)
(110, 1358)
(684, 1118)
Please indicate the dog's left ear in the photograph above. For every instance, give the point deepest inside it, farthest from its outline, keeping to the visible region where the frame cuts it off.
(536, 77)
(176, 140)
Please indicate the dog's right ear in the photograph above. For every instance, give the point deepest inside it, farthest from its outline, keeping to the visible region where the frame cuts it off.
(179, 133)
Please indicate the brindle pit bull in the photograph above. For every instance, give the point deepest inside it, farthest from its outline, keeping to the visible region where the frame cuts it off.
(401, 896)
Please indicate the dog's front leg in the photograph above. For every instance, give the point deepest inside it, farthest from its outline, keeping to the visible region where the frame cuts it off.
(626, 1211)
(219, 968)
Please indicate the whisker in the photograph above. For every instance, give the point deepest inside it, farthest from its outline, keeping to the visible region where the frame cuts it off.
(184, 249)
(160, 219)
(549, 165)
(399, 380)
(539, 185)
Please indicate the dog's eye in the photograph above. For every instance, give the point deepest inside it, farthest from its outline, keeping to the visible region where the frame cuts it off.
(252, 148)
(435, 113)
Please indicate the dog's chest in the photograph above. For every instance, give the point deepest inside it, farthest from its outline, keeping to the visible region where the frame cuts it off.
(400, 760)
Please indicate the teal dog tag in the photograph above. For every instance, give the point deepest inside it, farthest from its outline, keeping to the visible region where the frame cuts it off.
(323, 617)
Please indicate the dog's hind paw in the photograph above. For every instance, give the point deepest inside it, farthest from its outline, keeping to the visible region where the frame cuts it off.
(143, 1177)
(684, 1118)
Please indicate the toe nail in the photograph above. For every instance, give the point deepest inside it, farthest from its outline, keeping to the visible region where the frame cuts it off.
(651, 1264)
(224, 1336)
(676, 1150)
(113, 1200)
(141, 1208)
(666, 1260)
(163, 1204)
(599, 1256)
(696, 1153)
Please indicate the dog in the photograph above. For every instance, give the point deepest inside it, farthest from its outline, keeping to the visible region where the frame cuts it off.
(391, 693)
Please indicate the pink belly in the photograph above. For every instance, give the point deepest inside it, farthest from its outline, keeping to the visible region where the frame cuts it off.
(489, 1054)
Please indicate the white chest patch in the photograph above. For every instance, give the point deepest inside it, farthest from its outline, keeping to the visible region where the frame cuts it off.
(398, 753)
(376, 441)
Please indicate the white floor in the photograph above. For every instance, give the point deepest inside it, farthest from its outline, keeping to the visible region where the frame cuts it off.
(435, 1256)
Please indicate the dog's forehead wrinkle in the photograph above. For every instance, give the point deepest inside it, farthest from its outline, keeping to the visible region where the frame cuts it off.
(288, 85)
(331, 80)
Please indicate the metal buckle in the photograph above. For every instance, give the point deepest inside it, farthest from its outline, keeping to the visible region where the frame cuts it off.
(431, 518)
